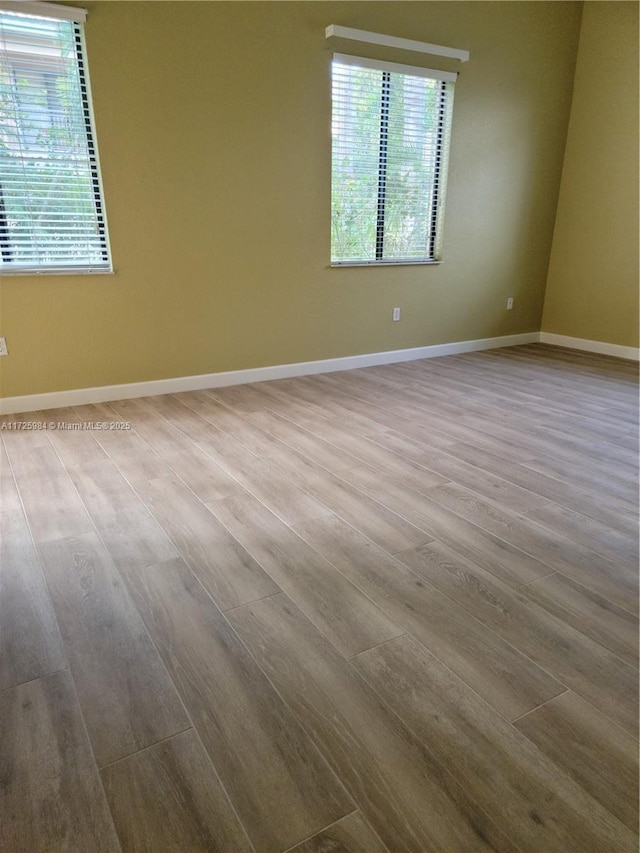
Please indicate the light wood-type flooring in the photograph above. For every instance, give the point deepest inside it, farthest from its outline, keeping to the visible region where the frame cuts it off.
(391, 610)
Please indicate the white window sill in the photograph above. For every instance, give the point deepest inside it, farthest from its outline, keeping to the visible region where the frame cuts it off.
(340, 264)
(45, 272)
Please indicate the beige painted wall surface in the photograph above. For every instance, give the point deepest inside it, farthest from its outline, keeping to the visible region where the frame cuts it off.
(592, 289)
(213, 122)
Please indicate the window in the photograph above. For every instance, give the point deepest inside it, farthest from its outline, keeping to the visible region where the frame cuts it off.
(51, 210)
(390, 141)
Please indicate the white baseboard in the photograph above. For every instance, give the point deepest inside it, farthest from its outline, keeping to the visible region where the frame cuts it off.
(104, 393)
(601, 347)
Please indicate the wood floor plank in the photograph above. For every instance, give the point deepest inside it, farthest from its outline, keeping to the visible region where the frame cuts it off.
(223, 453)
(194, 467)
(23, 432)
(50, 500)
(599, 756)
(277, 781)
(9, 497)
(409, 799)
(52, 798)
(224, 567)
(591, 614)
(401, 417)
(244, 398)
(387, 528)
(367, 418)
(507, 680)
(507, 562)
(30, 643)
(134, 457)
(352, 834)
(125, 693)
(264, 432)
(357, 450)
(74, 443)
(308, 405)
(345, 615)
(320, 449)
(487, 755)
(445, 463)
(168, 797)
(186, 411)
(561, 492)
(131, 535)
(623, 488)
(613, 580)
(601, 538)
(574, 659)
(98, 412)
(573, 441)
(189, 408)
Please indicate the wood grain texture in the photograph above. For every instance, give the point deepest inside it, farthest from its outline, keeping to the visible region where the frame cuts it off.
(30, 643)
(125, 693)
(614, 580)
(131, 535)
(168, 798)
(347, 617)
(268, 485)
(196, 469)
(321, 450)
(277, 781)
(506, 561)
(51, 502)
(548, 488)
(508, 680)
(574, 659)
(352, 834)
(547, 812)
(369, 515)
(71, 438)
(410, 800)
(134, 457)
(586, 611)
(623, 485)
(595, 534)
(447, 464)
(599, 756)
(363, 451)
(226, 569)
(52, 798)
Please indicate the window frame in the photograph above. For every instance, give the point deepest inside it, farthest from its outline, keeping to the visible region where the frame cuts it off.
(446, 81)
(75, 18)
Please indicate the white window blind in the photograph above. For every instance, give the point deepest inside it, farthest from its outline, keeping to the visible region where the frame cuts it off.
(51, 210)
(391, 127)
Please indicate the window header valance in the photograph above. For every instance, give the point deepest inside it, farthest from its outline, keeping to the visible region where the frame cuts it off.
(336, 31)
(45, 10)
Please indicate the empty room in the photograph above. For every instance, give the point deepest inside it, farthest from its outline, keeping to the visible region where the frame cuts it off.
(319, 426)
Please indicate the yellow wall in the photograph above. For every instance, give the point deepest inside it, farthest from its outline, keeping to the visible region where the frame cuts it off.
(592, 289)
(213, 123)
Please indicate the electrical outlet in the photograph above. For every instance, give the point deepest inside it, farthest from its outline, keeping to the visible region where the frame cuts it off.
(510, 303)
(396, 314)
(3, 347)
